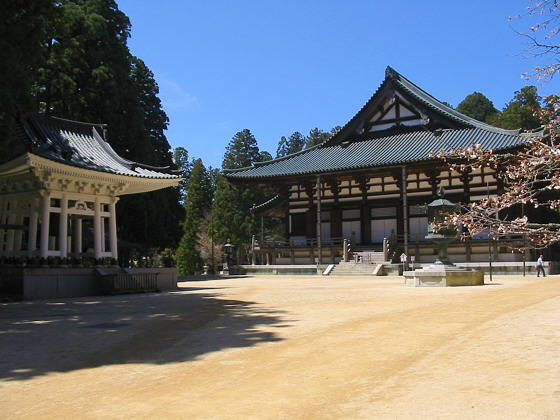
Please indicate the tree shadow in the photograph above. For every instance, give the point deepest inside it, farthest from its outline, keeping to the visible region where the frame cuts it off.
(40, 337)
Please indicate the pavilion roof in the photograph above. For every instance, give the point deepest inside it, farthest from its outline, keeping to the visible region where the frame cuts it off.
(81, 145)
(430, 126)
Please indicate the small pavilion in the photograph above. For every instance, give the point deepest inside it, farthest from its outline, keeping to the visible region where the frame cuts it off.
(59, 184)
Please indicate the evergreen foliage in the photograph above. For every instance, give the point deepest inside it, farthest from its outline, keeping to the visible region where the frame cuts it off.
(197, 201)
(520, 111)
(317, 136)
(181, 161)
(232, 216)
(477, 106)
(293, 144)
(242, 151)
(70, 59)
(25, 27)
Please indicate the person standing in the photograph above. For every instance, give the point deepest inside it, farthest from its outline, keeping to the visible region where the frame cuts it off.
(540, 266)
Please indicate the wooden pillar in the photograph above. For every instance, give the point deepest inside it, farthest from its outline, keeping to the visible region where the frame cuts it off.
(405, 208)
(365, 216)
(45, 220)
(319, 233)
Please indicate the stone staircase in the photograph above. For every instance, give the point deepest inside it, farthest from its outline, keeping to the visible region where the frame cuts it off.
(363, 263)
(353, 269)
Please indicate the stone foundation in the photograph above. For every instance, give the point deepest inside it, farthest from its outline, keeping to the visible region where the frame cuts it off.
(443, 275)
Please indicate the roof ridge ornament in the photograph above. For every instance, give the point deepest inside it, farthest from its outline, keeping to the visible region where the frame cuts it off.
(390, 73)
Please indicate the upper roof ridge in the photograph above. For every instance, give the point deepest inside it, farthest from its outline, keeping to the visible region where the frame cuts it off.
(437, 105)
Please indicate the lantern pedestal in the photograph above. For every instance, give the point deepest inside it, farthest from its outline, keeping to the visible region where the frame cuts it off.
(442, 272)
(443, 275)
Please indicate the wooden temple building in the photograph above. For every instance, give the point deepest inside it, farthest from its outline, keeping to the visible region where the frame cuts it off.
(369, 184)
(59, 184)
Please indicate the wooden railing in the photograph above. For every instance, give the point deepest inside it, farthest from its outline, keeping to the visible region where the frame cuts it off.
(123, 283)
(298, 243)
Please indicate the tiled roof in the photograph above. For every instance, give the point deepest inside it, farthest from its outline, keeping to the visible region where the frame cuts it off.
(81, 144)
(348, 150)
(381, 149)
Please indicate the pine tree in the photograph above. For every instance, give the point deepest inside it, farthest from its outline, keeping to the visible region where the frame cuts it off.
(88, 74)
(293, 144)
(520, 111)
(477, 106)
(198, 199)
(25, 27)
(316, 137)
(233, 219)
(242, 151)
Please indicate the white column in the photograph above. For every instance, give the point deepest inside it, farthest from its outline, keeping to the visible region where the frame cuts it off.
(113, 227)
(78, 246)
(97, 228)
(63, 227)
(33, 218)
(45, 219)
(11, 233)
(18, 239)
(2, 221)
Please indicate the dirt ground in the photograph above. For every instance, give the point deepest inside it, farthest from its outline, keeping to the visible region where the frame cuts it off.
(283, 347)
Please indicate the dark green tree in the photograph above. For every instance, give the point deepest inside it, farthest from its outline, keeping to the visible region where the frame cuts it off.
(232, 216)
(242, 151)
(88, 74)
(181, 161)
(198, 199)
(316, 137)
(293, 144)
(25, 27)
(477, 106)
(520, 111)
(265, 156)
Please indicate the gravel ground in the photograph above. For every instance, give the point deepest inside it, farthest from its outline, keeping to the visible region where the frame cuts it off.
(288, 347)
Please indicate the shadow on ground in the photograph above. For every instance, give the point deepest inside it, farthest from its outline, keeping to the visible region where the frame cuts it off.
(40, 337)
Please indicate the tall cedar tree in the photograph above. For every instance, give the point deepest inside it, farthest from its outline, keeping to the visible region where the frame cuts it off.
(25, 27)
(317, 136)
(89, 75)
(197, 200)
(233, 219)
(520, 111)
(293, 144)
(477, 106)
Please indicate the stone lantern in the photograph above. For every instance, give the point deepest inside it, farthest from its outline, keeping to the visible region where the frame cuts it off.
(437, 211)
(228, 250)
(442, 272)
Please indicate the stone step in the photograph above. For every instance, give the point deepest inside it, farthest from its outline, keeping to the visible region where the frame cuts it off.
(353, 269)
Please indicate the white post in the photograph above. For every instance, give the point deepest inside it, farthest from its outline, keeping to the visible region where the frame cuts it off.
(63, 227)
(78, 246)
(18, 239)
(45, 219)
(10, 239)
(97, 229)
(2, 221)
(33, 219)
(113, 228)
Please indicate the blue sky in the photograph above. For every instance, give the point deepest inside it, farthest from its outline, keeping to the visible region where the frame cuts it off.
(276, 67)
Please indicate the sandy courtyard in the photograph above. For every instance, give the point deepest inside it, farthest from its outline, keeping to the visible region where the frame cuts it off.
(288, 348)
